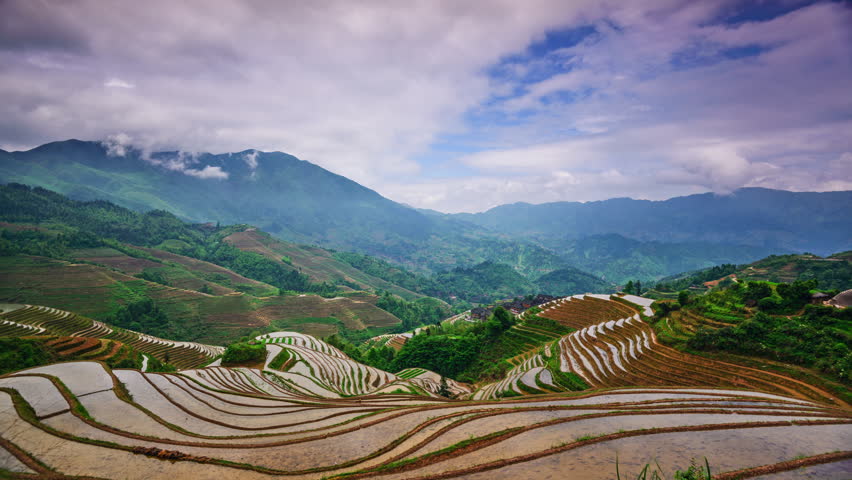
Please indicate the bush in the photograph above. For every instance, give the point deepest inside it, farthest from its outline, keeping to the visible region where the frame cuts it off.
(442, 354)
(239, 353)
(18, 354)
(819, 338)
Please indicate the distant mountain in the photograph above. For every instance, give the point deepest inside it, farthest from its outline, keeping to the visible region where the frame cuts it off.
(483, 283)
(570, 281)
(770, 219)
(290, 198)
(297, 201)
(279, 193)
(620, 259)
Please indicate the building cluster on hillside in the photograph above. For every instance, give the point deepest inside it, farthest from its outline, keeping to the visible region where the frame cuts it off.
(516, 307)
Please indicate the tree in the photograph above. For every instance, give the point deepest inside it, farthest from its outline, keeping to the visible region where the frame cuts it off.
(757, 290)
(629, 287)
(242, 353)
(444, 390)
(683, 298)
(504, 317)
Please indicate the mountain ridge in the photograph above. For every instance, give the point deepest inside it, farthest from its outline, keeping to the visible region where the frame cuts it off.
(300, 202)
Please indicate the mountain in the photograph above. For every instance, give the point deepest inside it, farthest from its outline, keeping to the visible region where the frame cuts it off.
(483, 283)
(302, 203)
(833, 272)
(95, 258)
(290, 198)
(570, 281)
(278, 193)
(620, 259)
(773, 219)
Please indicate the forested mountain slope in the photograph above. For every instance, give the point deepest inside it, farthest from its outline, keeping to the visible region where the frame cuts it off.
(300, 202)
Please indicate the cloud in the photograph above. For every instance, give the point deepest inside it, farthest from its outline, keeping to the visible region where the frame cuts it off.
(661, 99)
(117, 144)
(251, 159)
(449, 105)
(118, 83)
(121, 144)
(208, 171)
(358, 88)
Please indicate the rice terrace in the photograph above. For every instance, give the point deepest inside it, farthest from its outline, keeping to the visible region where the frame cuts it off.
(310, 411)
(441, 239)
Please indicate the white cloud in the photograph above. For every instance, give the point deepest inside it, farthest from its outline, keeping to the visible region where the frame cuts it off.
(117, 144)
(251, 159)
(118, 83)
(364, 89)
(208, 171)
(359, 88)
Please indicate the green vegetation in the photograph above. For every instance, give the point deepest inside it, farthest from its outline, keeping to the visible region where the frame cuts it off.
(244, 353)
(20, 353)
(423, 311)
(386, 271)
(100, 223)
(693, 472)
(178, 254)
(620, 259)
(472, 352)
(568, 380)
(681, 282)
(144, 316)
(482, 283)
(570, 281)
(819, 338)
(832, 273)
(442, 354)
(280, 359)
(764, 320)
(633, 288)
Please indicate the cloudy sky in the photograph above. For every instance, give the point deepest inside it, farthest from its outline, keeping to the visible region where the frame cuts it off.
(452, 105)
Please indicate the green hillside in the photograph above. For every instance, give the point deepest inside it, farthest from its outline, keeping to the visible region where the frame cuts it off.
(620, 259)
(483, 283)
(100, 292)
(319, 264)
(831, 273)
(75, 256)
(767, 325)
(301, 203)
(570, 281)
(293, 200)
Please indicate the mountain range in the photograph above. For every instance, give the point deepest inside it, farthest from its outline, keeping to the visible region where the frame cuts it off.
(295, 200)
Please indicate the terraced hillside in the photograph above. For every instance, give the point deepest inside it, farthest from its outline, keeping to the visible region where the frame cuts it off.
(613, 347)
(97, 292)
(77, 336)
(313, 367)
(318, 263)
(83, 419)
(311, 412)
(176, 270)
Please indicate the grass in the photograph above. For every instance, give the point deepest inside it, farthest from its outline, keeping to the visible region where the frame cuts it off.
(280, 360)
(410, 373)
(693, 472)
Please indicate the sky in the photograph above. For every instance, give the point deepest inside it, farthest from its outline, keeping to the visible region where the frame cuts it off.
(450, 105)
